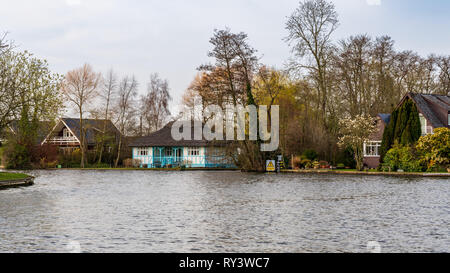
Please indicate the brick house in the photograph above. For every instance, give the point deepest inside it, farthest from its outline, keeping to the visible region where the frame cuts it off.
(434, 112)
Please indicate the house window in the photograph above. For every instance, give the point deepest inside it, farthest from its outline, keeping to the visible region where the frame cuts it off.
(169, 152)
(142, 151)
(193, 151)
(66, 133)
(372, 148)
(424, 126)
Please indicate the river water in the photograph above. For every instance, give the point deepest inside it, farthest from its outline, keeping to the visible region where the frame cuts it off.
(145, 211)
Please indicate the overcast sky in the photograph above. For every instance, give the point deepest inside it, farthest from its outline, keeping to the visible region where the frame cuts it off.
(171, 36)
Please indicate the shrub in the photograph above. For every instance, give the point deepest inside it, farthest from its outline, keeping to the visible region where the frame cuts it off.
(340, 166)
(307, 164)
(17, 157)
(434, 150)
(404, 158)
(310, 154)
(345, 157)
(100, 165)
(45, 156)
(324, 164)
(316, 164)
(131, 163)
(297, 163)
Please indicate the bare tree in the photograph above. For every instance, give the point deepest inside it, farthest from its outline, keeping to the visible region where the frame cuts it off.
(191, 101)
(155, 104)
(80, 87)
(107, 94)
(444, 75)
(229, 79)
(310, 28)
(127, 92)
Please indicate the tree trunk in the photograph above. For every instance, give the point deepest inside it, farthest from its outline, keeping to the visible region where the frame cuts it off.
(82, 141)
(118, 152)
(102, 143)
(104, 129)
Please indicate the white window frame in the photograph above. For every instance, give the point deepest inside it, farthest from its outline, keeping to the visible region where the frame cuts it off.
(423, 125)
(67, 134)
(142, 152)
(376, 144)
(193, 151)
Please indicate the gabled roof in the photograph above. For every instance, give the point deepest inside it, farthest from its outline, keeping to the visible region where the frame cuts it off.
(92, 127)
(434, 108)
(163, 138)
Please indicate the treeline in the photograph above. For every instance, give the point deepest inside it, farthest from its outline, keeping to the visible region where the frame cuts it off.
(324, 81)
(32, 98)
(106, 97)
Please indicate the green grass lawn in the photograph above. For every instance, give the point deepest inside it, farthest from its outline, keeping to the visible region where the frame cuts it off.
(12, 176)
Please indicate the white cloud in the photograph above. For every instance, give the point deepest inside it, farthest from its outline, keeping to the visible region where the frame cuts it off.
(373, 2)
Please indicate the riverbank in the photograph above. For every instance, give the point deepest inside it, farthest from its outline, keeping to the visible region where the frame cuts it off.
(368, 173)
(8, 180)
(311, 171)
(148, 169)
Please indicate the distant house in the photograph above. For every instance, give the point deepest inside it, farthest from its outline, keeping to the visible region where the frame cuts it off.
(67, 136)
(160, 150)
(434, 112)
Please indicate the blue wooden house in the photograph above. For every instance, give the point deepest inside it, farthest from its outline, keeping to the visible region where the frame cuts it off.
(160, 150)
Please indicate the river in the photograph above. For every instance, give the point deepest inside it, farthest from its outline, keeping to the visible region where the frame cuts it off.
(150, 211)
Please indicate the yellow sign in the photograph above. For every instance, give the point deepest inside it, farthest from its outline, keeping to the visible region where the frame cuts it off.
(270, 165)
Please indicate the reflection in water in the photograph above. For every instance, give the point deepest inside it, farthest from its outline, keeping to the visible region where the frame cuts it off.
(139, 211)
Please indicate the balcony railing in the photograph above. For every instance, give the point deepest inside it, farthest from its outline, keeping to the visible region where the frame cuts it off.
(63, 140)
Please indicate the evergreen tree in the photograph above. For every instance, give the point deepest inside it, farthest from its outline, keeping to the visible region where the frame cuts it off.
(404, 127)
(388, 135)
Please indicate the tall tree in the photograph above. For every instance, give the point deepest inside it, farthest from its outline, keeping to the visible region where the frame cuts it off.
(125, 109)
(229, 78)
(11, 76)
(108, 93)
(155, 103)
(34, 94)
(310, 28)
(443, 63)
(80, 87)
(228, 82)
(404, 127)
(352, 67)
